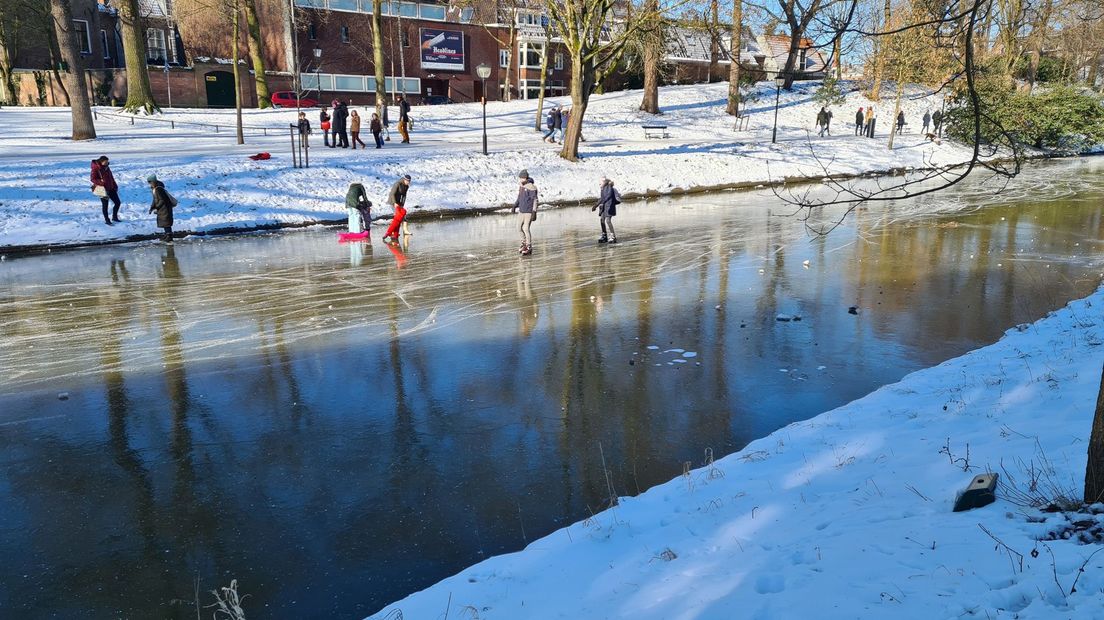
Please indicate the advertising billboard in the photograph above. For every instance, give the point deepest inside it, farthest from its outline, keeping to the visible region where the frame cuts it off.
(442, 49)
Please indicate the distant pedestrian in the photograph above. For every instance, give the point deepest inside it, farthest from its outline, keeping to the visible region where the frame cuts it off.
(397, 198)
(162, 205)
(827, 121)
(404, 120)
(550, 124)
(558, 119)
(937, 120)
(386, 120)
(354, 128)
(821, 121)
(871, 122)
(927, 121)
(526, 204)
(341, 125)
(324, 123)
(900, 121)
(859, 122)
(105, 188)
(608, 200)
(357, 198)
(376, 128)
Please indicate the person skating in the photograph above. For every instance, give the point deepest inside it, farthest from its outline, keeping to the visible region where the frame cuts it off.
(608, 200)
(162, 205)
(377, 130)
(354, 128)
(357, 198)
(404, 119)
(324, 123)
(859, 121)
(526, 204)
(397, 198)
(900, 122)
(304, 130)
(105, 187)
(927, 121)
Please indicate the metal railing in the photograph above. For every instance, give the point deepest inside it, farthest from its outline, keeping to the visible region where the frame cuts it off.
(131, 118)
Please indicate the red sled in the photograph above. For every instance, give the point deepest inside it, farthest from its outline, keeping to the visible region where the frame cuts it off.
(346, 237)
(260, 156)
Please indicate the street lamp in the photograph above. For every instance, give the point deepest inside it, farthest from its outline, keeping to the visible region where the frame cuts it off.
(484, 72)
(779, 81)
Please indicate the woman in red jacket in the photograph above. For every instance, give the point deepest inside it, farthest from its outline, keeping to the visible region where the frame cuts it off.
(104, 186)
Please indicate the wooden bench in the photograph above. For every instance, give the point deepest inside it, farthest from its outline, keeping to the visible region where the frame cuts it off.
(655, 131)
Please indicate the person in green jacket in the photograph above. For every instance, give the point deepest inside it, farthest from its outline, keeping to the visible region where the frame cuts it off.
(357, 198)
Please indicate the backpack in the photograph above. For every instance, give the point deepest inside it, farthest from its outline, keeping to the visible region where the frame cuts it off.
(171, 199)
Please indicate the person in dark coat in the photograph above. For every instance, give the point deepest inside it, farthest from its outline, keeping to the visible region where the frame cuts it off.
(162, 204)
(526, 204)
(550, 123)
(376, 127)
(304, 130)
(105, 187)
(386, 120)
(608, 200)
(900, 121)
(927, 121)
(324, 122)
(558, 118)
(937, 120)
(859, 124)
(404, 119)
(357, 198)
(341, 125)
(871, 122)
(397, 198)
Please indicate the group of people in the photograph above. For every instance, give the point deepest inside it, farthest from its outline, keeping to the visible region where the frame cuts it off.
(106, 189)
(866, 121)
(341, 122)
(556, 121)
(525, 204)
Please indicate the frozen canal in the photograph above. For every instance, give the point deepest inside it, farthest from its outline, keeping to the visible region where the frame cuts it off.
(336, 429)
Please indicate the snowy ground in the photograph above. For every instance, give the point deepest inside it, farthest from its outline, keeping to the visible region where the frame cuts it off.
(45, 197)
(846, 515)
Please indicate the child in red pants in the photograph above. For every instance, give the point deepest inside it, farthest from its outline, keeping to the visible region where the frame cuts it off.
(397, 198)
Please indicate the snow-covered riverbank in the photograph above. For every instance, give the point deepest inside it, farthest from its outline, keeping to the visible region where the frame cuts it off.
(45, 197)
(847, 515)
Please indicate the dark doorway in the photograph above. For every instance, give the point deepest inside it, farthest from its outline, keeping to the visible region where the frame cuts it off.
(220, 89)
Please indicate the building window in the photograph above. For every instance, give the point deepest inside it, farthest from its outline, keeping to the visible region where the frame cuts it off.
(103, 43)
(351, 83)
(312, 4)
(435, 12)
(80, 27)
(531, 54)
(503, 58)
(156, 51)
(408, 9)
(312, 33)
(466, 15)
(344, 34)
(528, 18)
(559, 61)
(343, 5)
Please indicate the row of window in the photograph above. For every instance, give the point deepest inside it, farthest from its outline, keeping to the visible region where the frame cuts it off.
(432, 12)
(357, 83)
(531, 55)
(158, 51)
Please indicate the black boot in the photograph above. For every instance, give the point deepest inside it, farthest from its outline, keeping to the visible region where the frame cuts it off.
(603, 239)
(115, 214)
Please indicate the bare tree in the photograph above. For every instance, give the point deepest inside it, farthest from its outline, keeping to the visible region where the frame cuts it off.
(139, 92)
(377, 62)
(62, 14)
(234, 7)
(256, 54)
(652, 39)
(735, 47)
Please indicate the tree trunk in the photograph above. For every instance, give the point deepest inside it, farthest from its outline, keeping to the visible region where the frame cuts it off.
(1094, 469)
(791, 57)
(879, 56)
(139, 93)
(714, 52)
(235, 43)
(734, 69)
(544, 76)
(837, 51)
(510, 56)
(652, 55)
(1094, 69)
(256, 54)
(56, 59)
(1038, 38)
(582, 84)
(377, 63)
(9, 37)
(896, 111)
(62, 13)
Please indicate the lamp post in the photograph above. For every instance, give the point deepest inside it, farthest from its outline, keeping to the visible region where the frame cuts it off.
(778, 82)
(484, 72)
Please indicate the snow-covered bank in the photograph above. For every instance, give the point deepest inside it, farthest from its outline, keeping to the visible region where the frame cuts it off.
(846, 515)
(45, 197)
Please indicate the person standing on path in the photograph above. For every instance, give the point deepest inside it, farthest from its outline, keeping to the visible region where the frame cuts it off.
(871, 120)
(377, 130)
(526, 204)
(324, 123)
(404, 119)
(550, 123)
(927, 121)
(354, 127)
(105, 187)
(397, 198)
(859, 121)
(162, 205)
(900, 122)
(304, 130)
(559, 136)
(827, 128)
(608, 200)
(341, 125)
(821, 120)
(386, 120)
(937, 121)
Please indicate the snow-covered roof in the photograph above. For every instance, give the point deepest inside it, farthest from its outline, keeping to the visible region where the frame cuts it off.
(695, 44)
(153, 8)
(777, 48)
